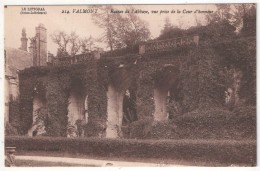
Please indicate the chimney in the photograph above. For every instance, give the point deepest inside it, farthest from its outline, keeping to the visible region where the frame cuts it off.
(33, 50)
(41, 45)
(24, 40)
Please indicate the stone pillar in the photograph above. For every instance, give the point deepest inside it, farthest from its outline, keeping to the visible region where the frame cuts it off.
(76, 110)
(160, 102)
(37, 104)
(86, 109)
(14, 88)
(120, 99)
(196, 40)
(96, 54)
(114, 112)
(141, 49)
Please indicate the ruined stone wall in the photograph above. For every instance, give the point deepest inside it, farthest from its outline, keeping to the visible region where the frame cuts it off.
(191, 76)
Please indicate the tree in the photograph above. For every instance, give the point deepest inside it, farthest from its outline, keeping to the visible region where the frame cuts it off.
(87, 44)
(84, 48)
(170, 31)
(75, 43)
(61, 53)
(240, 11)
(61, 39)
(181, 23)
(121, 30)
(167, 25)
(219, 24)
(68, 44)
(135, 30)
(197, 21)
(106, 20)
(223, 13)
(173, 32)
(240, 16)
(245, 16)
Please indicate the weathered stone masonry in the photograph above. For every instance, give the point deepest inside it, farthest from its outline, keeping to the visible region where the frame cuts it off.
(83, 104)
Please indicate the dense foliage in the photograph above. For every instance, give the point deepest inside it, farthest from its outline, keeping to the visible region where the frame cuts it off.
(58, 82)
(214, 123)
(200, 84)
(240, 54)
(120, 30)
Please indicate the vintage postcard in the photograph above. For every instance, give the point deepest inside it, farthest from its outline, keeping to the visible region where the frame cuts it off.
(130, 85)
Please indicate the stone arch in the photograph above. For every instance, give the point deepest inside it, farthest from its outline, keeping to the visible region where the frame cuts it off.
(77, 109)
(121, 80)
(39, 110)
(165, 80)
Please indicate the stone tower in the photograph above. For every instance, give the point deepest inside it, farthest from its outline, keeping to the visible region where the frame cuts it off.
(24, 40)
(33, 50)
(38, 46)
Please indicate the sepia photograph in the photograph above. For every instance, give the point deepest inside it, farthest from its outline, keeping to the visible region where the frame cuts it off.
(148, 85)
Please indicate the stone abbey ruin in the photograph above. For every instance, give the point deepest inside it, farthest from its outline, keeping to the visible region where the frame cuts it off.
(150, 92)
(165, 91)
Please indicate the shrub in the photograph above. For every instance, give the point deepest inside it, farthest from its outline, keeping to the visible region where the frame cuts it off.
(212, 123)
(141, 128)
(10, 130)
(224, 152)
(245, 112)
(246, 121)
(94, 129)
(165, 130)
(217, 123)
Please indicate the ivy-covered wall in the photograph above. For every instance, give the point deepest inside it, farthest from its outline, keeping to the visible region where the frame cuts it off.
(58, 82)
(199, 84)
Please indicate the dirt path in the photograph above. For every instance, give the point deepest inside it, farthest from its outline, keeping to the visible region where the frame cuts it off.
(92, 162)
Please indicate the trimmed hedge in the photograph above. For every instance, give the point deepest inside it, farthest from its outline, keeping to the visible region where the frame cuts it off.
(224, 152)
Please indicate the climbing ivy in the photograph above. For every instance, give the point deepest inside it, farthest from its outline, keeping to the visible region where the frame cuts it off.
(241, 54)
(58, 81)
(199, 83)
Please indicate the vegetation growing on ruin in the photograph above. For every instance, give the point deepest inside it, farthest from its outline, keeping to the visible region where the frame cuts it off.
(223, 59)
(201, 85)
(55, 84)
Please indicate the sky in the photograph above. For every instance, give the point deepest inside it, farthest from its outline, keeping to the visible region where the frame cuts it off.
(83, 25)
